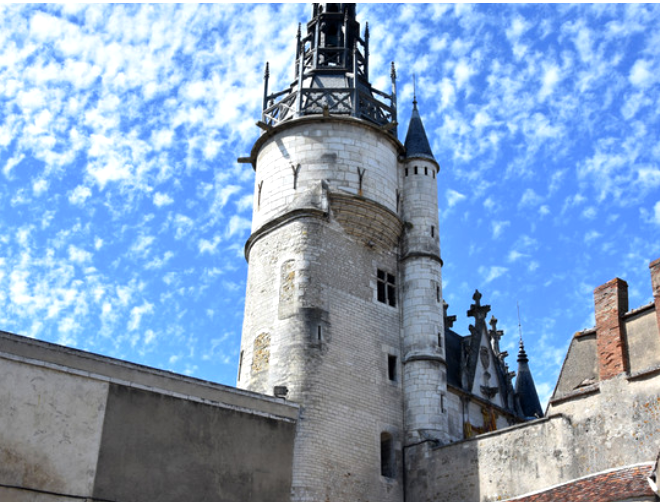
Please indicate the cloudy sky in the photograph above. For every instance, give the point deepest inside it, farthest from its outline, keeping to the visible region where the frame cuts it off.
(123, 211)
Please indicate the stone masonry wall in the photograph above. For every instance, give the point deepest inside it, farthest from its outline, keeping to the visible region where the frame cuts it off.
(341, 379)
(348, 155)
(321, 231)
(612, 428)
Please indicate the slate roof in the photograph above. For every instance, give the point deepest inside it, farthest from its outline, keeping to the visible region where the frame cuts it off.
(417, 143)
(525, 388)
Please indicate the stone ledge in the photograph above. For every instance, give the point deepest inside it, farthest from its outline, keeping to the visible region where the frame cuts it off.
(587, 390)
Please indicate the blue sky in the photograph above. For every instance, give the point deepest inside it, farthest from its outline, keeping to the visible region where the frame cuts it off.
(123, 211)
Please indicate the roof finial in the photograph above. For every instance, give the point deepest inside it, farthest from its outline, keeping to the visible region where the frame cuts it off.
(414, 93)
(522, 355)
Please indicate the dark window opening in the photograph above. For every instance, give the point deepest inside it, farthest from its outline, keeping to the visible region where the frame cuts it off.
(440, 340)
(426, 171)
(406, 171)
(319, 333)
(433, 174)
(415, 169)
(432, 231)
(391, 367)
(386, 455)
(437, 294)
(386, 288)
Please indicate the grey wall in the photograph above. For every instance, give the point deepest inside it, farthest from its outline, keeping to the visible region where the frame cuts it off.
(68, 433)
(158, 447)
(613, 426)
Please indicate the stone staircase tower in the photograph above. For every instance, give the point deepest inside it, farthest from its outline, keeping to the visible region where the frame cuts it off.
(328, 285)
(425, 368)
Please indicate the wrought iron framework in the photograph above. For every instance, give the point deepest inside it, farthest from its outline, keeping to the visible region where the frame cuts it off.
(332, 51)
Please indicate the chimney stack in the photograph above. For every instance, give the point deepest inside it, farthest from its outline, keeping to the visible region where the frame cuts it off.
(611, 303)
(654, 266)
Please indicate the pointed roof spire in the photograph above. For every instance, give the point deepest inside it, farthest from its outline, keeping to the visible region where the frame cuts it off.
(414, 93)
(525, 388)
(417, 143)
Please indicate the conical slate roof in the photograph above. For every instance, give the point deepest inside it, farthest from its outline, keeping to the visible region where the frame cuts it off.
(525, 388)
(417, 144)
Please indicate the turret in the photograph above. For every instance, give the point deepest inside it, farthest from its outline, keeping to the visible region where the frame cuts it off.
(425, 368)
(322, 321)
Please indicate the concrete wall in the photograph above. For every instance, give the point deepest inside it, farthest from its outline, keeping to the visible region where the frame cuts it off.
(72, 427)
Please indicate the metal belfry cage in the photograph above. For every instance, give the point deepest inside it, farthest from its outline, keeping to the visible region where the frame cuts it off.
(332, 74)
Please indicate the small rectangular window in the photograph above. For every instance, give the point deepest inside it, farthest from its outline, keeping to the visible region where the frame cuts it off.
(386, 288)
(386, 455)
(432, 231)
(440, 340)
(319, 333)
(438, 297)
(415, 169)
(406, 171)
(391, 367)
(426, 171)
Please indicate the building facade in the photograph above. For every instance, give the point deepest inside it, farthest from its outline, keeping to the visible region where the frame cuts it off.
(344, 311)
(352, 384)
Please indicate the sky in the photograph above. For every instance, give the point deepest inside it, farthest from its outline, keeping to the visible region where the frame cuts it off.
(124, 213)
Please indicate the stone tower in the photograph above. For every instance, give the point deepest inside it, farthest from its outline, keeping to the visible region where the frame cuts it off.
(343, 309)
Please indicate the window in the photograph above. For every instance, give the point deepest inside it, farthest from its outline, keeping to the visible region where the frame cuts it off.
(432, 231)
(386, 455)
(426, 171)
(391, 368)
(319, 333)
(439, 339)
(386, 288)
(438, 296)
(240, 366)
(415, 169)
(406, 171)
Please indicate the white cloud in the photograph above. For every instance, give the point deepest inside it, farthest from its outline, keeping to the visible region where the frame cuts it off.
(641, 74)
(515, 255)
(656, 213)
(462, 73)
(530, 198)
(549, 81)
(498, 227)
(78, 255)
(137, 313)
(162, 199)
(162, 139)
(209, 246)
(79, 195)
(489, 274)
(591, 236)
(454, 197)
(236, 225)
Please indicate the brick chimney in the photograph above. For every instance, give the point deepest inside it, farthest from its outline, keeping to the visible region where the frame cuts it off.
(611, 302)
(655, 282)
